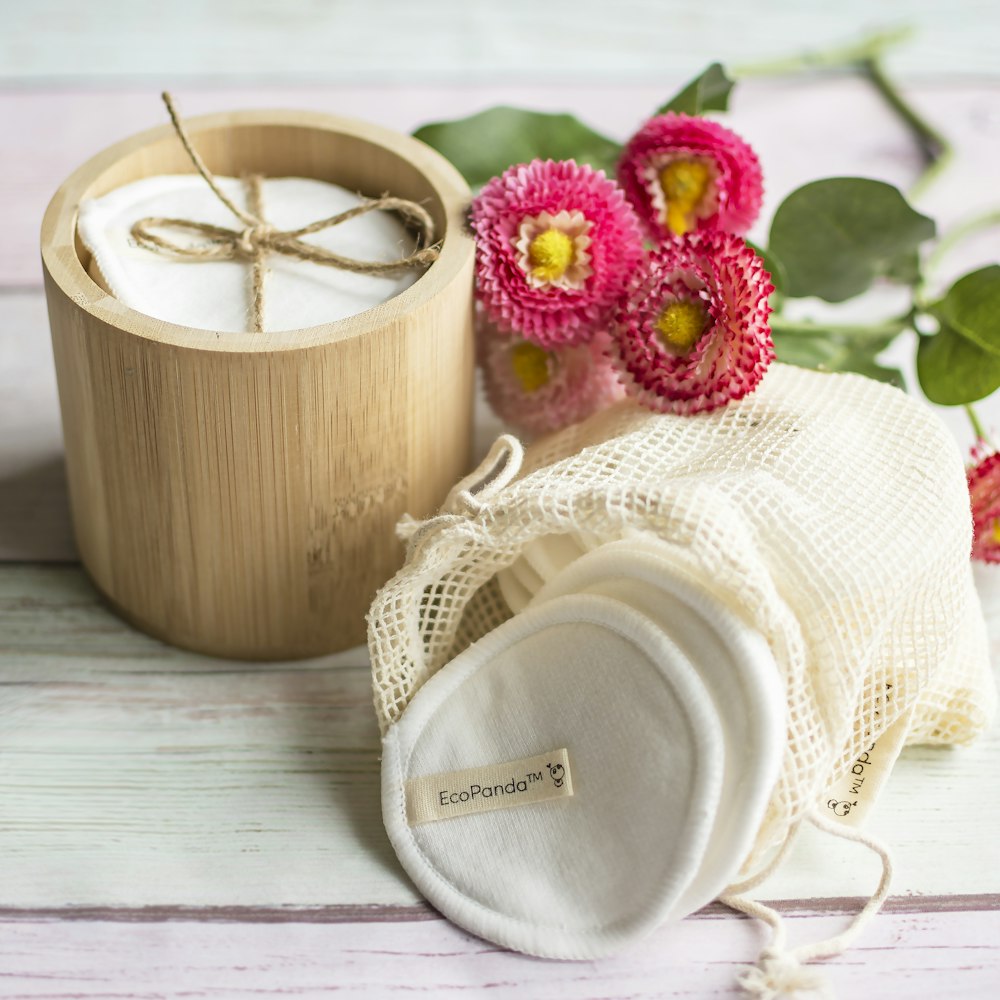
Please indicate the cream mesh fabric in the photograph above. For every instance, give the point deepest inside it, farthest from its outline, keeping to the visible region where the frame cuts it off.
(828, 511)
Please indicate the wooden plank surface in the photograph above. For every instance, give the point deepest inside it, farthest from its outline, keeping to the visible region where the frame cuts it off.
(34, 507)
(458, 41)
(174, 825)
(802, 129)
(134, 774)
(902, 957)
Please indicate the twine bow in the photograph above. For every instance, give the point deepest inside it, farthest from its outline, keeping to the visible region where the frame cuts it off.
(257, 238)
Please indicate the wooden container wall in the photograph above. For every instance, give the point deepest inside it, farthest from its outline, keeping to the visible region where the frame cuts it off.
(236, 493)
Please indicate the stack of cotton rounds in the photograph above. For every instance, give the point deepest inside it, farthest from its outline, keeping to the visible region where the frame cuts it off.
(213, 294)
(640, 725)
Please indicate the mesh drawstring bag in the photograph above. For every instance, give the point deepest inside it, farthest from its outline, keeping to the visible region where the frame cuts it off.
(826, 515)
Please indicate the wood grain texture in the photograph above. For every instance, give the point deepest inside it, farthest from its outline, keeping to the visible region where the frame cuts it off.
(216, 823)
(133, 774)
(457, 41)
(947, 956)
(237, 493)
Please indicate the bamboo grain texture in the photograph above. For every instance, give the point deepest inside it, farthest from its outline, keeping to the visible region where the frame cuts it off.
(237, 493)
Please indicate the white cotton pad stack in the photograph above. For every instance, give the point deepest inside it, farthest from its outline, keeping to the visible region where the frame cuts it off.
(661, 712)
(215, 295)
(736, 666)
(540, 560)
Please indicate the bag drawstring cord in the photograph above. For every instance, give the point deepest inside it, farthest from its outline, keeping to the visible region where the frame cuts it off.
(781, 971)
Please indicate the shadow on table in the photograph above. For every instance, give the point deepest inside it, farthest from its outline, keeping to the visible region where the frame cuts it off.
(34, 513)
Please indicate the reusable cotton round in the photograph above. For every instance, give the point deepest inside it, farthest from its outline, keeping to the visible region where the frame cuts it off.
(738, 669)
(213, 295)
(784, 507)
(554, 787)
(540, 560)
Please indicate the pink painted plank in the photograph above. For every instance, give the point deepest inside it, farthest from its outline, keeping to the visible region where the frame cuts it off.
(355, 913)
(906, 956)
(802, 129)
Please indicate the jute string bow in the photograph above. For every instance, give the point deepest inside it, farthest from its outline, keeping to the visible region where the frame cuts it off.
(258, 237)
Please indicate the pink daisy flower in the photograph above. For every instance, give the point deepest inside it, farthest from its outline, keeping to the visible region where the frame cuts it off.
(683, 173)
(984, 492)
(693, 333)
(555, 246)
(535, 390)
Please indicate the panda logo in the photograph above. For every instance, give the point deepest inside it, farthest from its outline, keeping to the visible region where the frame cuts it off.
(558, 773)
(840, 808)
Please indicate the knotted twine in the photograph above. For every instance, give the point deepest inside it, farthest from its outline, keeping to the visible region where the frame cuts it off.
(258, 237)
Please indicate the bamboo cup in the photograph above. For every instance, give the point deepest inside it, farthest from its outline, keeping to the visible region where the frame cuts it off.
(236, 493)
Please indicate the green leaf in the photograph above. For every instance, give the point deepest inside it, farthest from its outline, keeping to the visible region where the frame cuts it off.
(972, 308)
(864, 364)
(835, 236)
(905, 270)
(831, 352)
(707, 92)
(487, 143)
(953, 370)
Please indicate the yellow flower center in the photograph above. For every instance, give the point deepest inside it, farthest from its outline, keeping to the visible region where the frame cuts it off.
(681, 325)
(531, 366)
(684, 184)
(996, 530)
(551, 253)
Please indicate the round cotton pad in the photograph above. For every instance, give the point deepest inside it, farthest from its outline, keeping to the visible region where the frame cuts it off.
(553, 787)
(514, 592)
(526, 575)
(214, 296)
(550, 554)
(738, 669)
(540, 560)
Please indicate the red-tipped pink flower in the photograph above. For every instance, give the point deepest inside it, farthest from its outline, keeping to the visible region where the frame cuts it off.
(693, 333)
(555, 245)
(685, 174)
(535, 390)
(984, 492)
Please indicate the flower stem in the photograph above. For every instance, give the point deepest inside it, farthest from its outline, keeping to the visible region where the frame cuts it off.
(977, 427)
(854, 331)
(865, 56)
(944, 246)
(935, 149)
(838, 57)
(955, 235)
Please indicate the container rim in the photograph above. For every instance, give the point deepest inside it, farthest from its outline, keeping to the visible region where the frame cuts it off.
(63, 266)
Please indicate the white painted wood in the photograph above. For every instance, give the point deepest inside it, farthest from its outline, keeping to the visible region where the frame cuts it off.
(134, 774)
(904, 955)
(457, 41)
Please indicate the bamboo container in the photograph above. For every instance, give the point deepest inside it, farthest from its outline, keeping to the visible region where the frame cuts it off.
(236, 493)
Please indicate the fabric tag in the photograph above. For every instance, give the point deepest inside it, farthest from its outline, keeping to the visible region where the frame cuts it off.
(484, 789)
(852, 797)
